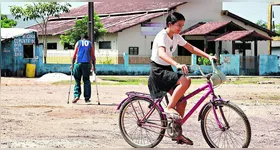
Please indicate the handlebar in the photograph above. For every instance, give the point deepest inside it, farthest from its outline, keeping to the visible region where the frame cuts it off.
(212, 64)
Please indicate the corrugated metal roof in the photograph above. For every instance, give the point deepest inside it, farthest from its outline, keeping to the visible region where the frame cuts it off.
(204, 28)
(55, 27)
(8, 33)
(121, 7)
(112, 24)
(238, 35)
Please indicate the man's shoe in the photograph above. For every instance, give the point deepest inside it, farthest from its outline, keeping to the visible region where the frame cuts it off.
(75, 100)
(87, 100)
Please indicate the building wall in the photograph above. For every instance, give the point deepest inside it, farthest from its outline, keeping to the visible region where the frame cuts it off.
(109, 37)
(53, 39)
(262, 48)
(132, 37)
(275, 51)
(262, 45)
(195, 12)
(13, 52)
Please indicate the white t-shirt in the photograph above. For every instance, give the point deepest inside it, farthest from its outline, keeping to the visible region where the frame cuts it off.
(162, 39)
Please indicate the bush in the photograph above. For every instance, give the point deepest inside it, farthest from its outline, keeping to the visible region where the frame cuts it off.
(204, 61)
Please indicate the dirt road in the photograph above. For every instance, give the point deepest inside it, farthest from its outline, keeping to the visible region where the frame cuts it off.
(36, 115)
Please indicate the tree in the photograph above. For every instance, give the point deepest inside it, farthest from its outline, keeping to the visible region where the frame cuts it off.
(40, 10)
(262, 23)
(81, 28)
(7, 23)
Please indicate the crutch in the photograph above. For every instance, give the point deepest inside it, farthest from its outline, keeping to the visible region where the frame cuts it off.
(95, 79)
(70, 81)
(70, 87)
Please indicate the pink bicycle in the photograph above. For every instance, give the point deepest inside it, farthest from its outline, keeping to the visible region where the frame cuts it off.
(143, 123)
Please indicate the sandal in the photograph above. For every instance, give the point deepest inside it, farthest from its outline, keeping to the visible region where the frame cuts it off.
(184, 140)
(172, 112)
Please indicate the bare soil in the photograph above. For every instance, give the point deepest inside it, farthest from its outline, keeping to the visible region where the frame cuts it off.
(37, 115)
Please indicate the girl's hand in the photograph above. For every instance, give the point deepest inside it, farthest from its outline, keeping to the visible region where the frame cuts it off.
(183, 67)
(212, 57)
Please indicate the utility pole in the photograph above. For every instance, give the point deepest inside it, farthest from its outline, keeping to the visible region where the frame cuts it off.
(270, 23)
(91, 21)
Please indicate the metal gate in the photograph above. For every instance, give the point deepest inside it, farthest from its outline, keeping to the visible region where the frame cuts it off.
(249, 65)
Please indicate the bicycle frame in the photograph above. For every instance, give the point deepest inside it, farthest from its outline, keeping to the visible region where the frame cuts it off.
(186, 117)
(210, 91)
(190, 112)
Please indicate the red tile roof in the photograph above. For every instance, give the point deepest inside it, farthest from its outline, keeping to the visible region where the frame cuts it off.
(204, 28)
(112, 24)
(55, 27)
(115, 24)
(121, 7)
(241, 35)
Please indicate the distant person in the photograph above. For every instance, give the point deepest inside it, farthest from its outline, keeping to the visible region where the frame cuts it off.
(85, 62)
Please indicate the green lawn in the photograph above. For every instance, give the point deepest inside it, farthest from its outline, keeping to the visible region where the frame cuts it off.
(132, 80)
(67, 60)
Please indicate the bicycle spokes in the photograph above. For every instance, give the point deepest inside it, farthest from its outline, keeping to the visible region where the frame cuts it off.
(225, 127)
(141, 124)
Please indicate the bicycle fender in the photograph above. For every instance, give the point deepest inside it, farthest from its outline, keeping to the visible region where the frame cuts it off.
(126, 99)
(209, 104)
(203, 109)
(121, 103)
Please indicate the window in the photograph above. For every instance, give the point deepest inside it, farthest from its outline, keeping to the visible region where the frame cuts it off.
(240, 46)
(68, 46)
(104, 44)
(28, 51)
(51, 45)
(133, 50)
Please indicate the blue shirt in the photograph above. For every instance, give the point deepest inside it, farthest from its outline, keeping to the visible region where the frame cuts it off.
(84, 50)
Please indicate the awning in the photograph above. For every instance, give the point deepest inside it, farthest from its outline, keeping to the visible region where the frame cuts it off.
(9, 33)
(241, 36)
(204, 28)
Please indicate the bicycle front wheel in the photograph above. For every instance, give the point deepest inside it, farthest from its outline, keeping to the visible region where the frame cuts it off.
(235, 129)
(141, 125)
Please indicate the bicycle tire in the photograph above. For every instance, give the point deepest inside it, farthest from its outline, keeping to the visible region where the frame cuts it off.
(123, 132)
(237, 110)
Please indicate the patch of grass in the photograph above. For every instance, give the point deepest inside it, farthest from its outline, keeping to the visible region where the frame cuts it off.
(66, 82)
(132, 80)
(113, 81)
(253, 80)
(256, 101)
(199, 81)
(270, 97)
(126, 80)
(67, 60)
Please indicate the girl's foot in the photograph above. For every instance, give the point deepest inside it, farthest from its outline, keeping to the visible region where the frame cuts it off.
(184, 140)
(172, 112)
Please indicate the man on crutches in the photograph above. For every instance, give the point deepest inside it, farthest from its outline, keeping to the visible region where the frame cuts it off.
(84, 57)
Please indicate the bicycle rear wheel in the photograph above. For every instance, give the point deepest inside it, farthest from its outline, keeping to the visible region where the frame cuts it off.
(141, 134)
(235, 131)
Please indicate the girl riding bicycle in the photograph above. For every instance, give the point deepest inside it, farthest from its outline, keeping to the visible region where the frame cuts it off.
(162, 78)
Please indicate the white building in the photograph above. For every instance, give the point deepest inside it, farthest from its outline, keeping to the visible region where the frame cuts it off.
(125, 23)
